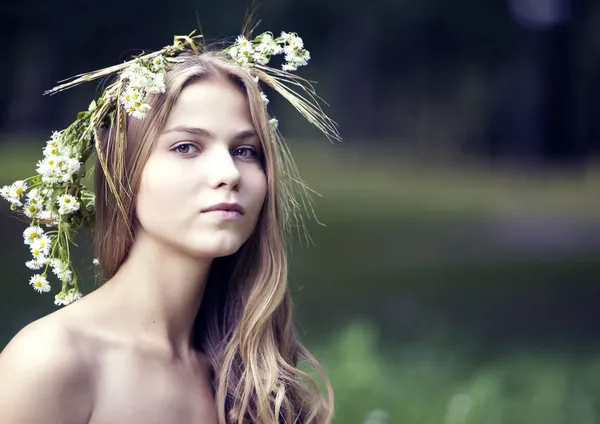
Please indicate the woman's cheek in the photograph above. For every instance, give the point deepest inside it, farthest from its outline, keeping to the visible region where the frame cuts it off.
(162, 178)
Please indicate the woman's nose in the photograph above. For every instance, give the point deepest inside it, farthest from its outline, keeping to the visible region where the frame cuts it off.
(222, 169)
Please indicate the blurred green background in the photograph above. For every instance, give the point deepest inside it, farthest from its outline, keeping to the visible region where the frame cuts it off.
(454, 276)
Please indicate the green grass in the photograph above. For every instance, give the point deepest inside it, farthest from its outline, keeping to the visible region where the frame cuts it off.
(395, 185)
(425, 384)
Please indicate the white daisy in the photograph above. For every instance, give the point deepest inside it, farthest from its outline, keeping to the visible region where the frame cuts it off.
(39, 283)
(61, 270)
(34, 196)
(67, 204)
(133, 100)
(31, 209)
(296, 59)
(10, 196)
(137, 75)
(288, 67)
(63, 299)
(59, 299)
(54, 148)
(50, 179)
(55, 136)
(158, 63)
(274, 123)
(158, 83)
(14, 192)
(243, 41)
(266, 38)
(131, 96)
(264, 98)
(286, 36)
(42, 244)
(73, 165)
(69, 167)
(65, 275)
(31, 234)
(242, 50)
(295, 44)
(246, 52)
(4, 192)
(56, 263)
(301, 58)
(34, 264)
(73, 296)
(48, 165)
(38, 255)
(19, 187)
(140, 111)
(51, 168)
(268, 46)
(260, 58)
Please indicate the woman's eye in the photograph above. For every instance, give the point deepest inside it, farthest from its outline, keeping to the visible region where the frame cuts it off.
(245, 152)
(185, 149)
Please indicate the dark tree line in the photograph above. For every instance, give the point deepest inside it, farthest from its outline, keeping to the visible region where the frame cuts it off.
(381, 65)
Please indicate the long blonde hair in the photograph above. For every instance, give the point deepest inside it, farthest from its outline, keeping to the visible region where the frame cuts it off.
(244, 324)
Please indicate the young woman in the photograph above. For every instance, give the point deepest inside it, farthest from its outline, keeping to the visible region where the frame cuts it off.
(194, 323)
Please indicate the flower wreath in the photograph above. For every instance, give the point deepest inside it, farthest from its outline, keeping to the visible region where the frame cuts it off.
(57, 198)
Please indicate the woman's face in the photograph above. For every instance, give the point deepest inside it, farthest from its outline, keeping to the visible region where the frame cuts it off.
(208, 153)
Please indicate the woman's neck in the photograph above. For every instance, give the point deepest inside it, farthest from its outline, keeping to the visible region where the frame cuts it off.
(158, 291)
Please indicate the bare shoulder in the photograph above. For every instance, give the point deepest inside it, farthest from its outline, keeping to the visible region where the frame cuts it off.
(45, 376)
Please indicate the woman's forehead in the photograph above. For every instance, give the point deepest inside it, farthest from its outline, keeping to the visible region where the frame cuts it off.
(212, 104)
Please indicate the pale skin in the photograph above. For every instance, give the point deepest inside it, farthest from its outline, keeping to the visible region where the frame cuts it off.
(122, 354)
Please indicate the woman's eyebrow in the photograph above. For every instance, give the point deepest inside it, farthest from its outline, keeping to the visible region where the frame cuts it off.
(190, 130)
(242, 135)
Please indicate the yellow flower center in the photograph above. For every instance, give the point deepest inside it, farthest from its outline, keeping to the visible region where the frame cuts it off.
(33, 236)
(128, 97)
(131, 109)
(38, 284)
(67, 200)
(20, 191)
(31, 208)
(50, 162)
(137, 105)
(35, 252)
(246, 52)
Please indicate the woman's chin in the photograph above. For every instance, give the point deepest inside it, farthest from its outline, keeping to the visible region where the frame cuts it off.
(216, 249)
